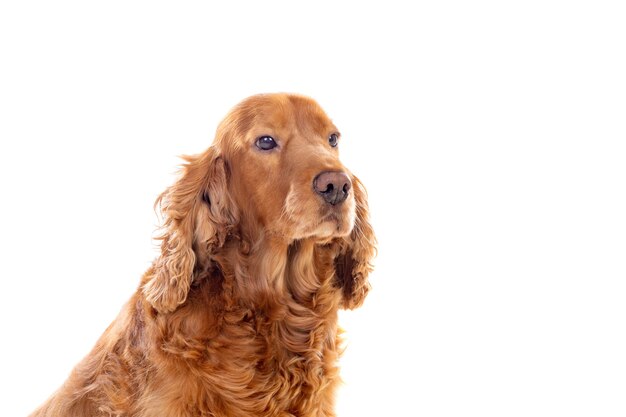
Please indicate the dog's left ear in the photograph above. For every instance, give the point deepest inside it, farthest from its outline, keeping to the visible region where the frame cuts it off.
(353, 263)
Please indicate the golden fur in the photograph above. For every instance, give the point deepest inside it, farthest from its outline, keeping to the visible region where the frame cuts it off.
(238, 314)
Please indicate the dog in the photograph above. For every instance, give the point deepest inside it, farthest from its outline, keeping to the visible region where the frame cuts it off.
(265, 236)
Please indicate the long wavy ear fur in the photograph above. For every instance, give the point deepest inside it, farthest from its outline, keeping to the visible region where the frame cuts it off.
(196, 212)
(353, 264)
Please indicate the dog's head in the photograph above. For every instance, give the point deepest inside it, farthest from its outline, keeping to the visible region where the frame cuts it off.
(272, 173)
(285, 175)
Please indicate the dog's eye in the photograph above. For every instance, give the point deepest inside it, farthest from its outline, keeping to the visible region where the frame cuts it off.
(266, 143)
(333, 139)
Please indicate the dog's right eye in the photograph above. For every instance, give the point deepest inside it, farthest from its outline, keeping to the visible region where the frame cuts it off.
(266, 143)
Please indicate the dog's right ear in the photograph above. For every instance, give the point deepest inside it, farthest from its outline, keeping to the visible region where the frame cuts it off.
(198, 214)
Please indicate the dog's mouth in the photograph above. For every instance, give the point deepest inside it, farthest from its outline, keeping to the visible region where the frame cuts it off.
(332, 217)
(317, 219)
(335, 223)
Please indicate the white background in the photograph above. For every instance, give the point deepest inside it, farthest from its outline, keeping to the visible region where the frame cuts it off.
(490, 135)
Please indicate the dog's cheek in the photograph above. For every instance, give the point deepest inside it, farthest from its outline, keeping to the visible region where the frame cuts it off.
(350, 214)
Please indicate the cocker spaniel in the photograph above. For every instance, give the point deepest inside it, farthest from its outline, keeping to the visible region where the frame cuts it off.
(265, 237)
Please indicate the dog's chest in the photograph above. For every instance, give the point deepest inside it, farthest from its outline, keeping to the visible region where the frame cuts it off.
(267, 367)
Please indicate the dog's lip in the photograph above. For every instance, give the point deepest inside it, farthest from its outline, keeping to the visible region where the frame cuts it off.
(331, 224)
(338, 219)
(332, 216)
(337, 214)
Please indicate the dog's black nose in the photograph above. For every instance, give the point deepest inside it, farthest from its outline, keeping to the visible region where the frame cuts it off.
(333, 186)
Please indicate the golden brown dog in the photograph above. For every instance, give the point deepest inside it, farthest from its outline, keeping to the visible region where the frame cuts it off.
(265, 237)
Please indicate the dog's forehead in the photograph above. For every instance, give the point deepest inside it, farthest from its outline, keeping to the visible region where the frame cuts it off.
(288, 111)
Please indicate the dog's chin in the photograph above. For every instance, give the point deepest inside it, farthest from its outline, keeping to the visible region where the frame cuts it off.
(329, 227)
(324, 222)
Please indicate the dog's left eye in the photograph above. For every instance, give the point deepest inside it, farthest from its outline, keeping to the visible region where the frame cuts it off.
(333, 139)
(266, 143)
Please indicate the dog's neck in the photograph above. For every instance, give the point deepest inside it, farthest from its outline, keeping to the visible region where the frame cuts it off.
(273, 275)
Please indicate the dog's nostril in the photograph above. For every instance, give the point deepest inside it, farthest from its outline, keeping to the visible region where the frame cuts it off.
(329, 188)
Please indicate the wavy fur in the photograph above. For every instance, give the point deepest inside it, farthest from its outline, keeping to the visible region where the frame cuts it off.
(238, 314)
